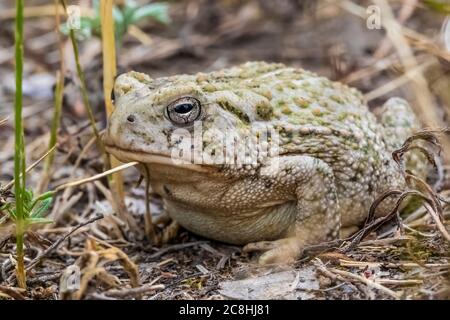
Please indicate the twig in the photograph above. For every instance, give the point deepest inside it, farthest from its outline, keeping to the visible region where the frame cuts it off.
(364, 264)
(324, 270)
(134, 291)
(385, 242)
(12, 292)
(36, 260)
(44, 278)
(437, 220)
(366, 281)
(399, 282)
(322, 247)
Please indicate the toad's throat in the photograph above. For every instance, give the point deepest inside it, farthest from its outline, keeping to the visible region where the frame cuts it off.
(155, 158)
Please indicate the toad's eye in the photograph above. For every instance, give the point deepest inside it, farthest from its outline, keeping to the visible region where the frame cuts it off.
(183, 108)
(184, 111)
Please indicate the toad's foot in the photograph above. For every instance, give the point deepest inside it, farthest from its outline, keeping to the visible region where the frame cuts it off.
(163, 219)
(168, 231)
(281, 251)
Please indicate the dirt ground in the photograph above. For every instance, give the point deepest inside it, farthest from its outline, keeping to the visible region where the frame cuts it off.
(114, 258)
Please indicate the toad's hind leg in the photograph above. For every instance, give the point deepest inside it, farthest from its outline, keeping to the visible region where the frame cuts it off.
(317, 219)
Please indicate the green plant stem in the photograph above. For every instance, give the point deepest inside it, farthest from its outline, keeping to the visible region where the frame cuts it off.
(20, 268)
(19, 158)
(54, 128)
(83, 84)
(18, 110)
(85, 96)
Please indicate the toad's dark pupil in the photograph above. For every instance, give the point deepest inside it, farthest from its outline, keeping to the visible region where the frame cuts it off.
(184, 108)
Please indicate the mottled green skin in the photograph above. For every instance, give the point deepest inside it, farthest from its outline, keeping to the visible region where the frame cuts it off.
(335, 157)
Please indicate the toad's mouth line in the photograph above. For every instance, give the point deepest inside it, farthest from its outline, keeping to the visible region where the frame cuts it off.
(154, 158)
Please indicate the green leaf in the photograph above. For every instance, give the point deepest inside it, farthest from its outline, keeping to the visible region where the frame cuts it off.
(27, 195)
(39, 220)
(43, 206)
(156, 11)
(128, 10)
(5, 206)
(46, 195)
(87, 25)
(124, 16)
(120, 25)
(12, 213)
(10, 209)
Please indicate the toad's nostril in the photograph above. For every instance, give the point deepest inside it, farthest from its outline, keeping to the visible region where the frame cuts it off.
(131, 118)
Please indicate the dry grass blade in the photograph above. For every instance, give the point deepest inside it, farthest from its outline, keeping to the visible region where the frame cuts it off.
(109, 51)
(109, 74)
(128, 265)
(409, 177)
(399, 81)
(436, 217)
(426, 135)
(426, 44)
(377, 223)
(406, 11)
(433, 204)
(95, 177)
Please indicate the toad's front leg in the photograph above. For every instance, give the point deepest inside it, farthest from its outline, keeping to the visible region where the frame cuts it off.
(311, 181)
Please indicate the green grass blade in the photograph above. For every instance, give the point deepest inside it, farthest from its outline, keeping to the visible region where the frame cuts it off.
(19, 157)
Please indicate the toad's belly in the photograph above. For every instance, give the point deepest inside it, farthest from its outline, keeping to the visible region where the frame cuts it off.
(236, 228)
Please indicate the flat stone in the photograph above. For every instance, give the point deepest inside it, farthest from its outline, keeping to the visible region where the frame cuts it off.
(285, 285)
